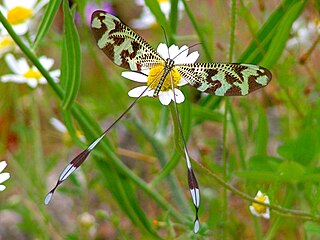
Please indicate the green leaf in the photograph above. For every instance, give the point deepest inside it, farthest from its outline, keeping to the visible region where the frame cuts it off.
(312, 229)
(201, 114)
(282, 34)
(47, 20)
(174, 15)
(70, 127)
(259, 46)
(72, 53)
(290, 171)
(262, 176)
(122, 190)
(264, 163)
(303, 149)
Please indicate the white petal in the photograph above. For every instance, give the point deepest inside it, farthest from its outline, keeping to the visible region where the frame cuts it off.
(192, 58)
(32, 82)
(40, 5)
(2, 187)
(12, 63)
(253, 211)
(139, 2)
(179, 95)
(3, 164)
(259, 194)
(173, 51)
(13, 78)
(4, 177)
(9, 4)
(55, 73)
(22, 28)
(23, 66)
(164, 98)
(46, 62)
(5, 13)
(136, 92)
(25, 3)
(165, 7)
(163, 50)
(42, 81)
(150, 93)
(181, 56)
(58, 125)
(182, 82)
(266, 215)
(134, 76)
(145, 72)
(144, 22)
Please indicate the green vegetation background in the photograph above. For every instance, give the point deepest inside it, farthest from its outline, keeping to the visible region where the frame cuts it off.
(134, 184)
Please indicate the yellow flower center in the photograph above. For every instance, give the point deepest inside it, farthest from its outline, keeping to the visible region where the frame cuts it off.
(31, 73)
(6, 42)
(67, 137)
(162, 1)
(18, 15)
(155, 75)
(258, 207)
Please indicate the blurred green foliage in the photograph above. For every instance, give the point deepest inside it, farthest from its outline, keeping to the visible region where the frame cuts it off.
(134, 186)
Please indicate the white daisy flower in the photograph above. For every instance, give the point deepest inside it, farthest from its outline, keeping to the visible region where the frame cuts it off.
(26, 74)
(6, 44)
(303, 33)
(149, 76)
(258, 209)
(3, 176)
(57, 124)
(19, 13)
(147, 19)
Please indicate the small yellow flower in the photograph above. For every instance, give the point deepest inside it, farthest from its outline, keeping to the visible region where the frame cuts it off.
(258, 209)
(57, 124)
(6, 44)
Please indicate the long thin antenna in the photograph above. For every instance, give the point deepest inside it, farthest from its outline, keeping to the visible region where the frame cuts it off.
(185, 50)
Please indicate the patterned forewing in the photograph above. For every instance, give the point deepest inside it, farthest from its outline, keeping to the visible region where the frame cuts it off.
(225, 79)
(121, 44)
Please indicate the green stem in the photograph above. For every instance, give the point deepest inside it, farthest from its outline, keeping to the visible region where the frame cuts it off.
(238, 138)
(177, 194)
(257, 228)
(225, 169)
(198, 31)
(227, 106)
(37, 146)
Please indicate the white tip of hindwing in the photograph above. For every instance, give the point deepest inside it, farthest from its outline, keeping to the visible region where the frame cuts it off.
(196, 226)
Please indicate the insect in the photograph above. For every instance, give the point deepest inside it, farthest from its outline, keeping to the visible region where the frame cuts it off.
(128, 50)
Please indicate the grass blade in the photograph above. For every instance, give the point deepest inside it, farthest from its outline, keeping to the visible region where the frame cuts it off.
(47, 20)
(72, 53)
